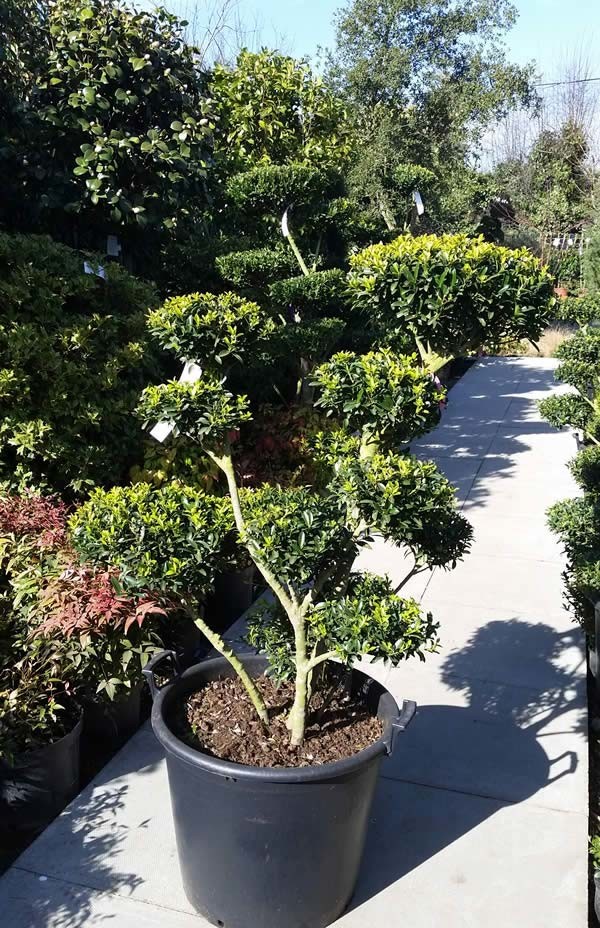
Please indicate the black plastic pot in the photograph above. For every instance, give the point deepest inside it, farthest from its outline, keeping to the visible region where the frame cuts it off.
(40, 783)
(597, 894)
(269, 847)
(113, 721)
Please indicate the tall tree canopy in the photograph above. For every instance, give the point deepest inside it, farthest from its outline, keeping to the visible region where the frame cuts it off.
(424, 79)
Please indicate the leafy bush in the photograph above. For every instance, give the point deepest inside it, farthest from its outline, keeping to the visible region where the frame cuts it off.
(253, 269)
(580, 369)
(387, 396)
(106, 636)
(583, 309)
(37, 705)
(273, 188)
(125, 119)
(577, 524)
(591, 258)
(270, 108)
(202, 410)
(585, 468)
(565, 267)
(452, 292)
(316, 295)
(65, 629)
(165, 540)
(72, 362)
(194, 325)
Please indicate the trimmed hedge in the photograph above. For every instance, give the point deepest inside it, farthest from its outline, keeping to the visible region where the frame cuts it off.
(257, 267)
(272, 188)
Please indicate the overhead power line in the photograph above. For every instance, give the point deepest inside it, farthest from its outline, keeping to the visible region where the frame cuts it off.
(582, 80)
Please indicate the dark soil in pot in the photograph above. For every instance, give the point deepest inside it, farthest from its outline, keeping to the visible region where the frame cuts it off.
(279, 846)
(221, 720)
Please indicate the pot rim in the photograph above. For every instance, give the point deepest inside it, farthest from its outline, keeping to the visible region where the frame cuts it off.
(235, 771)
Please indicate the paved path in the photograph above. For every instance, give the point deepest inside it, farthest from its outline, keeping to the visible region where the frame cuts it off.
(481, 817)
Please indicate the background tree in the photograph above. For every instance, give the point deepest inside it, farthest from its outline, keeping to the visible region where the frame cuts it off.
(423, 79)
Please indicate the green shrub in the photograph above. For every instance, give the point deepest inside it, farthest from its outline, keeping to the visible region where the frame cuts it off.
(322, 293)
(254, 269)
(591, 259)
(167, 540)
(410, 177)
(565, 267)
(272, 188)
(580, 369)
(194, 325)
(271, 109)
(388, 396)
(310, 342)
(125, 123)
(452, 292)
(202, 410)
(72, 363)
(583, 309)
(585, 468)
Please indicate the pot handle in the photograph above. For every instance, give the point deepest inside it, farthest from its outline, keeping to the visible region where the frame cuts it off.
(400, 723)
(152, 665)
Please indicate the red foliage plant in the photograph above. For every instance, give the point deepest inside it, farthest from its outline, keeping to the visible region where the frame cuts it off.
(85, 600)
(42, 516)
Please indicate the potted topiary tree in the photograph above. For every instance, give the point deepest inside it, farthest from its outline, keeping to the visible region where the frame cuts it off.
(273, 759)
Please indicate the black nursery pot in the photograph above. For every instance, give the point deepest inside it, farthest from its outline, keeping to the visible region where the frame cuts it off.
(40, 783)
(269, 847)
(113, 721)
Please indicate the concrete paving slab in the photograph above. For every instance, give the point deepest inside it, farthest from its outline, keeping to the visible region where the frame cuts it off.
(516, 744)
(117, 836)
(512, 583)
(513, 536)
(501, 646)
(31, 901)
(436, 858)
(386, 559)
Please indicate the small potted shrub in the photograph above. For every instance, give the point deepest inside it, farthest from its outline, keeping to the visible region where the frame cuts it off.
(40, 729)
(77, 610)
(579, 369)
(40, 719)
(107, 638)
(273, 758)
(577, 523)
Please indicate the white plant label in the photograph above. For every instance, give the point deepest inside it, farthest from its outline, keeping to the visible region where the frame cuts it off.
(190, 374)
(90, 269)
(284, 224)
(113, 246)
(418, 200)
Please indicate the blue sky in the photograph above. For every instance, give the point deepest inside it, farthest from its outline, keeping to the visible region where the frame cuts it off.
(546, 30)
